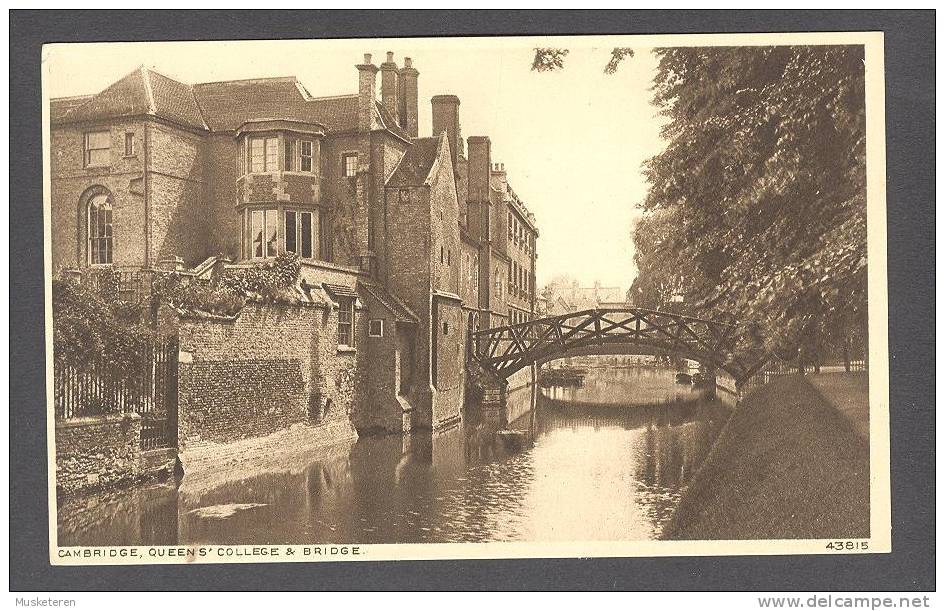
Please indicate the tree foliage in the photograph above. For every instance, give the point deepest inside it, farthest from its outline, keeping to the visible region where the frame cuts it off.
(91, 325)
(757, 207)
(271, 282)
(550, 59)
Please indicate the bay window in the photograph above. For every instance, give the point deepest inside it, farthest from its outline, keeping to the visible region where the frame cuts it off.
(264, 154)
(289, 154)
(300, 233)
(306, 156)
(273, 231)
(264, 232)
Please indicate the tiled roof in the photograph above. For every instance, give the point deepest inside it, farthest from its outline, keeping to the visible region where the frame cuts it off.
(175, 100)
(396, 307)
(389, 123)
(141, 92)
(228, 104)
(60, 106)
(414, 167)
(221, 106)
(339, 290)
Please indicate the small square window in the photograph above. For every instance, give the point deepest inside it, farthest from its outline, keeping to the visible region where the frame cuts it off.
(96, 148)
(376, 328)
(349, 162)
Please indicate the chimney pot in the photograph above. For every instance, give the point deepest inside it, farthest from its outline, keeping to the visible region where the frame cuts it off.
(446, 119)
(407, 99)
(390, 97)
(367, 58)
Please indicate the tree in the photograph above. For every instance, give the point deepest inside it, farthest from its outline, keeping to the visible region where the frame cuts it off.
(757, 206)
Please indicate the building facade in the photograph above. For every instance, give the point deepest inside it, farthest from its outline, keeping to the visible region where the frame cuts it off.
(409, 241)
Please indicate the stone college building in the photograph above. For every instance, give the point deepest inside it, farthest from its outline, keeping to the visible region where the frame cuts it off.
(407, 242)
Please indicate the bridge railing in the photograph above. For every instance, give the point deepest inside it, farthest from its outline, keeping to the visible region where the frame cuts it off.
(506, 349)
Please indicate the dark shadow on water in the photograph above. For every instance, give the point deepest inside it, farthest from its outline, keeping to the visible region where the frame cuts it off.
(604, 462)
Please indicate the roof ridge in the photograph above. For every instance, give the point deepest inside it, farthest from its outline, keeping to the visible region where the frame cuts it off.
(146, 78)
(167, 76)
(269, 79)
(435, 166)
(332, 97)
(71, 97)
(91, 97)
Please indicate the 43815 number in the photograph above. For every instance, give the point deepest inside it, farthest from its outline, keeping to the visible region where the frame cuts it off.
(843, 546)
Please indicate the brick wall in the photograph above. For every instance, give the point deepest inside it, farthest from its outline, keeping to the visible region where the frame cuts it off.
(123, 177)
(173, 222)
(264, 371)
(97, 453)
(221, 167)
(177, 218)
(382, 405)
(450, 339)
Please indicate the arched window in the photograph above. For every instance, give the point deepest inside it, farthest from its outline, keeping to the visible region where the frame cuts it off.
(99, 229)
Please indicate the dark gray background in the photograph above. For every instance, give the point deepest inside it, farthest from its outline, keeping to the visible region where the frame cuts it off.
(910, 154)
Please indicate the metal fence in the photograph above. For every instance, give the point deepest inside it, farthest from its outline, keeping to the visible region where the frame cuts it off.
(151, 392)
(776, 368)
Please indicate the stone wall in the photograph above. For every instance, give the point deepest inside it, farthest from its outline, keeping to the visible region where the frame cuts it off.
(96, 453)
(268, 369)
(449, 361)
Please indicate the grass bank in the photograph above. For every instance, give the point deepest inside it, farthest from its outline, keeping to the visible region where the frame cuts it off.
(789, 464)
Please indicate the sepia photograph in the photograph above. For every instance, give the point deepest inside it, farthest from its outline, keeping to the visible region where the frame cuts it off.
(446, 298)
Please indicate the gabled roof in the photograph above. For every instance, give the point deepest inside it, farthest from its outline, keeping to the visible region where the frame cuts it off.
(417, 164)
(141, 92)
(389, 301)
(388, 122)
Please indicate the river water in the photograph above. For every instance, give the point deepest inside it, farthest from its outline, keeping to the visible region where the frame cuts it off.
(606, 461)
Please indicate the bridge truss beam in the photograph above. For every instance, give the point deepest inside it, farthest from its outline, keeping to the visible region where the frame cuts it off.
(505, 350)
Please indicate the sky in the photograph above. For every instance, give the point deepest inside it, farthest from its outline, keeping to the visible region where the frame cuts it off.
(573, 141)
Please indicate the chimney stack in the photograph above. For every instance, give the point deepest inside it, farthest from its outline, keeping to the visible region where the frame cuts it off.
(446, 119)
(367, 94)
(408, 100)
(478, 170)
(498, 172)
(389, 85)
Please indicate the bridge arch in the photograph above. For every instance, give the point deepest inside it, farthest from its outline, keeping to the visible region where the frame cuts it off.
(505, 350)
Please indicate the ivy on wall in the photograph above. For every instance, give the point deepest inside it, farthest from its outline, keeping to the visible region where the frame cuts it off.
(93, 327)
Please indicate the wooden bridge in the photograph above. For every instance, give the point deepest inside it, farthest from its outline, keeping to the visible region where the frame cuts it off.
(505, 350)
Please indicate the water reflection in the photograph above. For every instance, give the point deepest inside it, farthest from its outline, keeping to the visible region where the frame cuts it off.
(604, 462)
